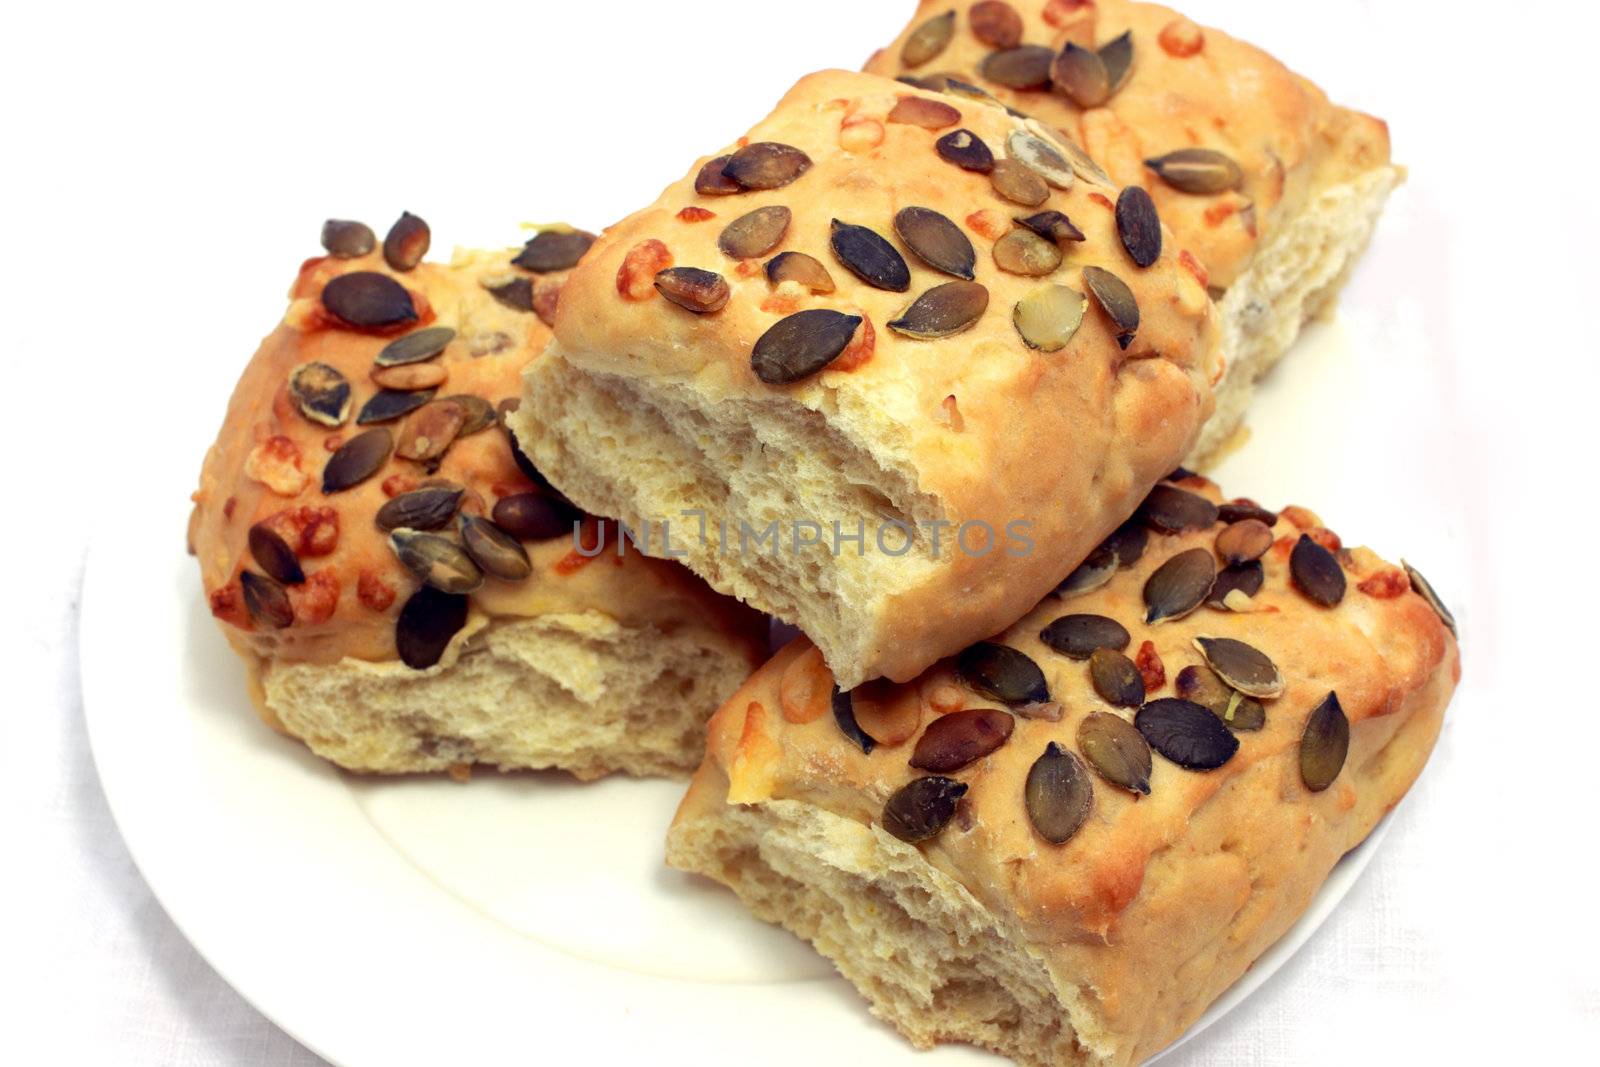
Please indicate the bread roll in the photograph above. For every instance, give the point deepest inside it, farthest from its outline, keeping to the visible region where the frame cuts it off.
(1277, 212)
(588, 664)
(993, 853)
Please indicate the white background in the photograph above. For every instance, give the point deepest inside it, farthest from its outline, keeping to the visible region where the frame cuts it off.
(166, 167)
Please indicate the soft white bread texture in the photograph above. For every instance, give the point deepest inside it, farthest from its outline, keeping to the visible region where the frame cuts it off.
(975, 469)
(1104, 948)
(587, 663)
(1277, 245)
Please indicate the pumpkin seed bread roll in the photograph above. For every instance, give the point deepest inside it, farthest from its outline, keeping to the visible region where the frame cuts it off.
(886, 368)
(1065, 842)
(1273, 189)
(406, 592)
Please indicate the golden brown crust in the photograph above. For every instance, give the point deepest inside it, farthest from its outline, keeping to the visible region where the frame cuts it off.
(1190, 86)
(1159, 902)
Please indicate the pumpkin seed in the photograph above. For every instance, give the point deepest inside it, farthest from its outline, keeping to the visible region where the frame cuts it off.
(936, 241)
(943, 310)
(428, 508)
(411, 378)
(1128, 542)
(1197, 170)
(357, 460)
(1243, 541)
(1018, 183)
(1425, 590)
(844, 713)
(954, 86)
(1077, 636)
(534, 516)
(693, 289)
(1117, 55)
(266, 600)
(801, 344)
(755, 233)
(1242, 666)
(493, 549)
(1116, 678)
(1200, 685)
(346, 239)
(367, 300)
(1242, 714)
(1080, 75)
(1138, 225)
(1039, 156)
(922, 807)
(995, 23)
(386, 405)
(273, 555)
(766, 165)
(1081, 163)
(952, 741)
(712, 182)
(1001, 672)
(1186, 733)
(1058, 794)
(1173, 510)
(1025, 252)
(798, 267)
(1239, 510)
(479, 415)
(1246, 578)
(928, 40)
(963, 148)
(436, 560)
(430, 431)
(1117, 751)
(524, 464)
(427, 622)
(1324, 745)
(406, 242)
(1052, 226)
(1179, 585)
(1025, 66)
(1049, 316)
(320, 393)
(869, 257)
(1316, 572)
(415, 347)
(553, 250)
(514, 293)
(1116, 300)
(1089, 575)
(920, 111)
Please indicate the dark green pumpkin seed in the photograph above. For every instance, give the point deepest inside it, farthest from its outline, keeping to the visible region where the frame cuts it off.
(427, 622)
(943, 311)
(1179, 585)
(1128, 541)
(1200, 685)
(1239, 510)
(553, 250)
(693, 289)
(1138, 225)
(844, 714)
(478, 413)
(415, 347)
(922, 807)
(367, 300)
(963, 148)
(936, 241)
(1052, 226)
(1324, 745)
(514, 293)
(1089, 575)
(1173, 510)
(1023, 67)
(1058, 794)
(1242, 714)
(1118, 752)
(801, 344)
(1041, 157)
(1117, 55)
(1244, 667)
(712, 182)
(1026, 253)
(386, 405)
(1018, 183)
(869, 257)
(1003, 673)
(1080, 162)
(1048, 317)
(1116, 300)
(1247, 578)
(1116, 678)
(755, 233)
(1316, 572)
(534, 516)
(995, 23)
(1080, 75)
(273, 555)
(954, 740)
(800, 268)
(920, 111)
(320, 393)
(493, 549)
(346, 239)
(428, 508)
(266, 600)
(1186, 733)
(1243, 541)
(1201, 171)
(766, 165)
(1077, 636)
(357, 459)
(406, 242)
(436, 560)
(928, 40)
(1425, 590)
